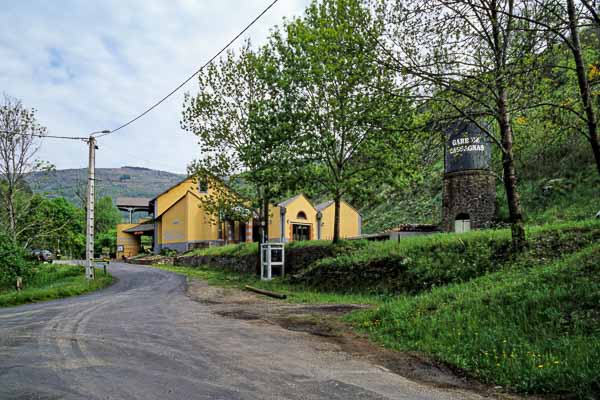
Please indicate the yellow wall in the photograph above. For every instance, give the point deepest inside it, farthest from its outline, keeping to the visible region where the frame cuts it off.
(130, 242)
(349, 221)
(167, 199)
(201, 225)
(300, 203)
(274, 222)
(182, 218)
(174, 223)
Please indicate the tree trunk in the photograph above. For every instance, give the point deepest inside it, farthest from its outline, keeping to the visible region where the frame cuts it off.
(584, 85)
(510, 177)
(266, 218)
(263, 231)
(336, 220)
(12, 218)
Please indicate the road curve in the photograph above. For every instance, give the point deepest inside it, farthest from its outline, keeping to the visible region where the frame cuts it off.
(143, 338)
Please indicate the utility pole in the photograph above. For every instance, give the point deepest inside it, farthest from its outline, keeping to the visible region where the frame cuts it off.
(89, 229)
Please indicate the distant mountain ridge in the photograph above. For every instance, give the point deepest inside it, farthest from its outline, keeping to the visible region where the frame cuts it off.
(127, 181)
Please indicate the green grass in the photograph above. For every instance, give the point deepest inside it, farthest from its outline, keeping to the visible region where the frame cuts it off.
(247, 249)
(53, 282)
(534, 328)
(573, 196)
(295, 293)
(419, 263)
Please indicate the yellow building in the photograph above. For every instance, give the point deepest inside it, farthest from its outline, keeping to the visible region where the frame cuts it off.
(350, 220)
(297, 219)
(293, 219)
(128, 243)
(181, 221)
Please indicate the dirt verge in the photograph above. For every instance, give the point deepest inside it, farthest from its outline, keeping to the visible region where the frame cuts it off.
(323, 322)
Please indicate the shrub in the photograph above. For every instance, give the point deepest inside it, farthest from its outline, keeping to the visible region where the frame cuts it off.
(13, 263)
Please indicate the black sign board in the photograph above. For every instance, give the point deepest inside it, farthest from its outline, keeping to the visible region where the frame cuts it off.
(467, 147)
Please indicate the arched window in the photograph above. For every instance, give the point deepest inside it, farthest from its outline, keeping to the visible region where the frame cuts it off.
(301, 215)
(462, 223)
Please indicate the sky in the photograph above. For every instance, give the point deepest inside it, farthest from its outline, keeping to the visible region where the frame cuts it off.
(88, 66)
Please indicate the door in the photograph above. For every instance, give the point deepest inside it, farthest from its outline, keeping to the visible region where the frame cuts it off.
(300, 232)
(462, 224)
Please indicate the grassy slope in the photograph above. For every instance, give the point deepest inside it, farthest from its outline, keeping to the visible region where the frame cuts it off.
(418, 263)
(54, 282)
(534, 328)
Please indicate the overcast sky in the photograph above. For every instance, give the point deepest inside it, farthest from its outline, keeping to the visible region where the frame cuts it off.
(89, 66)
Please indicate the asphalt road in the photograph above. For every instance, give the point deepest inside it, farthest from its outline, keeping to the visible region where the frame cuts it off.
(143, 338)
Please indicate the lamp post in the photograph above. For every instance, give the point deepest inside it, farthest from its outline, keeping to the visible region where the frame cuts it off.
(89, 228)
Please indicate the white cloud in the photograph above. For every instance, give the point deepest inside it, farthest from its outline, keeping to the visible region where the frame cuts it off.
(89, 66)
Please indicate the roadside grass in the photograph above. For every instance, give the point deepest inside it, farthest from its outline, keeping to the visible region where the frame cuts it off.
(534, 328)
(295, 293)
(53, 282)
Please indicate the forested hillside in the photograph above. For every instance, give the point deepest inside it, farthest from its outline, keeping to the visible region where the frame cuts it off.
(113, 182)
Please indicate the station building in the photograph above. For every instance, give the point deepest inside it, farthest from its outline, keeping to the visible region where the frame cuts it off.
(179, 220)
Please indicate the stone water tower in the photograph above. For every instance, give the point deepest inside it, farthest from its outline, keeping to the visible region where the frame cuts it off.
(469, 198)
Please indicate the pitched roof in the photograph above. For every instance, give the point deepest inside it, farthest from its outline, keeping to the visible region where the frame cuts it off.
(133, 202)
(140, 228)
(290, 200)
(324, 205)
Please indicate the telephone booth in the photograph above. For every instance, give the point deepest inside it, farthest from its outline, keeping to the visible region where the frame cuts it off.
(272, 260)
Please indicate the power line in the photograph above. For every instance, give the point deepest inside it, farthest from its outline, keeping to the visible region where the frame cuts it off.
(194, 74)
(47, 136)
(60, 137)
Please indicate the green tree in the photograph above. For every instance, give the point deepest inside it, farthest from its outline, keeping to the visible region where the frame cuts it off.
(243, 127)
(55, 224)
(107, 216)
(20, 135)
(470, 60)
(107, 239)
(351, 116)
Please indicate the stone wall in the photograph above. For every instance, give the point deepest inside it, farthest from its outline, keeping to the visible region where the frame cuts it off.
(469, 192)
(296, 259)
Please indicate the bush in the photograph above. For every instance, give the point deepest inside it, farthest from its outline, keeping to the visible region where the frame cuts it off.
(13, 263)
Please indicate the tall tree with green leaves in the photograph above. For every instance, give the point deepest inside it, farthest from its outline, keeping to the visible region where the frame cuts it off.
(351, 113)
(20, 134)
(243, 127)
(107, 216)
(563, 20)
(470, 60)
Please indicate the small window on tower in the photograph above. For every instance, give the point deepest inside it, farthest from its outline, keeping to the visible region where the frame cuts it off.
(203, 185)
(301, 215)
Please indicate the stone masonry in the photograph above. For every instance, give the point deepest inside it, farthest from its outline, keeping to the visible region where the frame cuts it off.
(470, 192)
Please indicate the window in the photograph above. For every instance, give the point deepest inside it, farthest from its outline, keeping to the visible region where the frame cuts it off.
(462, 223)
(203, 185)
(301, 215)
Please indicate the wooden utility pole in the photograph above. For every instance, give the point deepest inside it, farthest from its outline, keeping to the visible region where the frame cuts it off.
(89, 232)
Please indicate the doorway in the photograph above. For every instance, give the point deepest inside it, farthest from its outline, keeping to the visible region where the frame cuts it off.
(462, 223)
(300, 232)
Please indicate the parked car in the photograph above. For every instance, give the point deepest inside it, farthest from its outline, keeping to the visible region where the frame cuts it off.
(43, 255)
